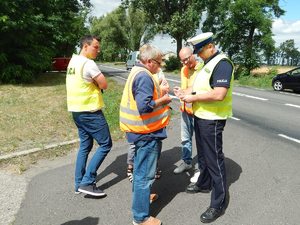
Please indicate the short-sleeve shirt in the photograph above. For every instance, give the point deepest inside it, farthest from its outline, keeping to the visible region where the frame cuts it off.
(90, 70)
(222, 73)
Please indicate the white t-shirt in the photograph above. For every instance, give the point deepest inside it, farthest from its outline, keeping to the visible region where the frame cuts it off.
(90, 70)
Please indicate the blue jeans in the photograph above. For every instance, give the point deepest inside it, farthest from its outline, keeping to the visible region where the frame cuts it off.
(91, 125)
(131, 151)
(187, 130)
(145, 160)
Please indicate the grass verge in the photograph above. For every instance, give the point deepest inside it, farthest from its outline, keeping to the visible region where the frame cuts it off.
(36, 115)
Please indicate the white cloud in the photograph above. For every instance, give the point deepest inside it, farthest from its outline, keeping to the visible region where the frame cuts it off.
(102, 7)
(282, 29)
(285, 30)
(165, 43)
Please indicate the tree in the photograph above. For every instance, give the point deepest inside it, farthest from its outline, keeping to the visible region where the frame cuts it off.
(32, 32)
(137, 27)
(289, 53)
(112, 30)
(180, 19)
(243, 28)
(121, 31)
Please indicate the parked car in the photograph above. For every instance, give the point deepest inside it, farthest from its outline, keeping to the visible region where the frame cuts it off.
(60, 63)
(132, 60)
(287, 80)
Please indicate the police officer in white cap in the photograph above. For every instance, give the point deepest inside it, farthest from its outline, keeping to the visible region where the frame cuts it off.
(211, 95)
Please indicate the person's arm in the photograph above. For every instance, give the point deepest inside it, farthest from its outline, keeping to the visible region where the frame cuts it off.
(179, 92)
(164, 100)
(91, 73)
(100, 81)
(220, 84)
(164, 85)
(142, 90)
(216, 94)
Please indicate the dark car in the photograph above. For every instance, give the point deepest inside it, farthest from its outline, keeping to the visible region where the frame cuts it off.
(287, 80)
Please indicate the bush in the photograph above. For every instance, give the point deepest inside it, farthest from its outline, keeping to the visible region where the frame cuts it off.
(173, 63)
(15, 74)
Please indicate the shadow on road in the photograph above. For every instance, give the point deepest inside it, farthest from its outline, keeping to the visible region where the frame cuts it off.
(233, 172)
(118, 167)
(169, 185)
(85, 221)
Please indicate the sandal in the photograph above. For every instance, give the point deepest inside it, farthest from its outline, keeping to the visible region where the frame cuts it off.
(130, 173)
(158, 174)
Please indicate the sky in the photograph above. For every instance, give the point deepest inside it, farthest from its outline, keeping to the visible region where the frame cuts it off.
(284, 28)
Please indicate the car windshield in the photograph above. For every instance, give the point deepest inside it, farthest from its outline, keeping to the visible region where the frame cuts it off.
(296, 71)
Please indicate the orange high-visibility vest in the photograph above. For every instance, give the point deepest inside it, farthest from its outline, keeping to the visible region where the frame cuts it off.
(130, 118)
(187, 79)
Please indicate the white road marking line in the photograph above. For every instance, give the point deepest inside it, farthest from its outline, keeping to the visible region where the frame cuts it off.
(289, 138)
(292, 105)
(249, 96)
(234, 118)
(289, 93)
(113, 68)
(176, 81)
(120, 77)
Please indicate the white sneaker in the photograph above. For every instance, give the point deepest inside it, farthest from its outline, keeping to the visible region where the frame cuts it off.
(195, 177)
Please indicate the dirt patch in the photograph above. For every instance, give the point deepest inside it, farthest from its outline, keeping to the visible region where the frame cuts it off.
(268, 69)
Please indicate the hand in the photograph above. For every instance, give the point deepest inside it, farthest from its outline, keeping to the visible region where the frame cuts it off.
(177, 91)
(166, 99)
(164, 87)
(187, 98)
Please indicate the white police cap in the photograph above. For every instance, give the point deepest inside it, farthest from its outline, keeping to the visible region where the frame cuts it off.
(200, 40)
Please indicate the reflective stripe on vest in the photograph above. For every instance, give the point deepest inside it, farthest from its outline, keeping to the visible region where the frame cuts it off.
(217, 109)
(81, 95)
(130, 118)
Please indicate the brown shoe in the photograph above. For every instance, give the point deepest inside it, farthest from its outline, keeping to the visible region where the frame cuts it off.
(153, 197)
(150, 221)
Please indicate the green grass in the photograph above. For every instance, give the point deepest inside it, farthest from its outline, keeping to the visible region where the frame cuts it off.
(262, 76)
(262, 81)
(36, 115)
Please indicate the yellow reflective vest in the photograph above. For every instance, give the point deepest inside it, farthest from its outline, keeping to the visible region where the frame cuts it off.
(130, 118)
(187, 79)
(216, 110)
(82, 96)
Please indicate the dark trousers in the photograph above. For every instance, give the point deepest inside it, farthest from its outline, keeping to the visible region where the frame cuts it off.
(211, 163)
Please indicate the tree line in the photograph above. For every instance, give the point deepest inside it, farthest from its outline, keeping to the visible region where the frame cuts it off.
(33, 32)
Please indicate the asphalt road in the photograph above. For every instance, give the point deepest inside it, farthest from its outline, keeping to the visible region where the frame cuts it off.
(262, 170)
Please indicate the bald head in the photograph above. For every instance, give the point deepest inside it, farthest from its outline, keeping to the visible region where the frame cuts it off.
(185, 52)
(187, 58)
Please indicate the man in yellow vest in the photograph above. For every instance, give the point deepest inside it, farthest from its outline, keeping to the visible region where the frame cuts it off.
(188, 73)
(211, 96)
(85, 83)
(144, 115)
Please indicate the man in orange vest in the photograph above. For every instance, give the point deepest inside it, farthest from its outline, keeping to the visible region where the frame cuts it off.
(188, 73)
(144, 115)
